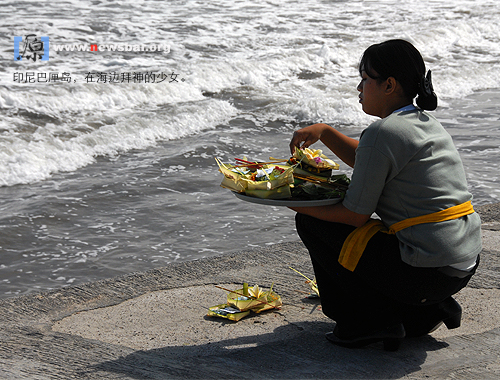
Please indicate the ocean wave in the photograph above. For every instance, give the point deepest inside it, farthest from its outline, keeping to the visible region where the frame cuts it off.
(45, 152)
(252, 59)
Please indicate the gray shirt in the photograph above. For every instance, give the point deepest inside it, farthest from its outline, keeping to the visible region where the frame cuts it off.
(406, 166)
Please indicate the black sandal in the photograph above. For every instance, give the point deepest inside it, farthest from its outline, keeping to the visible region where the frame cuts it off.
(448, 312)
(391, 336)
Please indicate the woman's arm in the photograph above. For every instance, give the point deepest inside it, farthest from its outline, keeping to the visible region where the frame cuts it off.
(342, 146)
(334, 213)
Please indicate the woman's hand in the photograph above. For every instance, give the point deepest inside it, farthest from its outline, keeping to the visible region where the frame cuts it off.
(305, 137)
(342, 146)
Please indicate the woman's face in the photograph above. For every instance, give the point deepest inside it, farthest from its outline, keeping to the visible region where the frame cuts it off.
(371, 95)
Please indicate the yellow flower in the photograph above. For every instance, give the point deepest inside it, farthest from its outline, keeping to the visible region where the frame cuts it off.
(255, 292)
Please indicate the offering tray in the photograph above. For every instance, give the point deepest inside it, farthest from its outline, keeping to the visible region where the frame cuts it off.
(290, 202)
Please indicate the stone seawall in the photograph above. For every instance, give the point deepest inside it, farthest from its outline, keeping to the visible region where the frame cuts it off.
(154, 325)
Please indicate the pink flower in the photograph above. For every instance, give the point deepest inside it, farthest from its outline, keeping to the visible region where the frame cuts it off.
(318, 160)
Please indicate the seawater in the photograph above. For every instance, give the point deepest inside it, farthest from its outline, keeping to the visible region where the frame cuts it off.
(100, 179)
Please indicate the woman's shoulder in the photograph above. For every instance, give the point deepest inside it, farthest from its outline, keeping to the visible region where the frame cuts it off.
(373, 129)
(402, 125)
(390, 127)
(406, 131)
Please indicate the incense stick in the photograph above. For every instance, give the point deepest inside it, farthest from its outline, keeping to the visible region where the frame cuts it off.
(255, 163)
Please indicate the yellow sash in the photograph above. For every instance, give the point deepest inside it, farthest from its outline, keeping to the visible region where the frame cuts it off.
(356, 242)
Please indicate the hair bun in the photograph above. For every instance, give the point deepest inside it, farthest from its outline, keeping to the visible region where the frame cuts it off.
(427, 98)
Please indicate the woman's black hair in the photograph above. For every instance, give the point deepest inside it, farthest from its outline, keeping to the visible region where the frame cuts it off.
(401, 60)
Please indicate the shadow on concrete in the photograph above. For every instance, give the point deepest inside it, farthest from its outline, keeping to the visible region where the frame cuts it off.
(295, 351)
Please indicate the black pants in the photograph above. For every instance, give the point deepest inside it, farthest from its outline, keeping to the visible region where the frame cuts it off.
(382, 290)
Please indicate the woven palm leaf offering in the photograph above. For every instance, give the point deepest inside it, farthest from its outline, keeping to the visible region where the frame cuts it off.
(313, 176)
(227, 311)
(307, 175)
(262, 180)
(273, 302)
(308, 161)
(255, 299)
(241, 302)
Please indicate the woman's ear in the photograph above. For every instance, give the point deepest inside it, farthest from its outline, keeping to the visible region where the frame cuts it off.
(391, 85)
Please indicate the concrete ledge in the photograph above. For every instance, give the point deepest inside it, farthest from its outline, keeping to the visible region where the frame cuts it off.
(153, 325)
